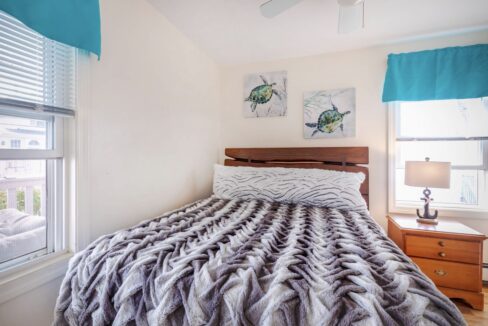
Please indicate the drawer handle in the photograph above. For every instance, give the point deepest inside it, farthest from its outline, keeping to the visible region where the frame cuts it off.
(440, 272)
(442, 254)
(441, 243)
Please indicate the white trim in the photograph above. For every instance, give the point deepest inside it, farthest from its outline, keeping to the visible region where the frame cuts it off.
(410, 208)
(80, 223)
(391, 156)
(28, 154)
(51, 199)
(21, 279)
(443, 212)
(18, 261)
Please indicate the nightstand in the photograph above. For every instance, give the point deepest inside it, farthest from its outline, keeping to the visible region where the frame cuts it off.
(449, 253)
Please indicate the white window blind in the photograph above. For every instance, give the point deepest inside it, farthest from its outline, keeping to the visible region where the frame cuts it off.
(34, 69)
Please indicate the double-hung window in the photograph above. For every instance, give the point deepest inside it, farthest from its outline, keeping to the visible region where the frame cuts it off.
(445, 130)
(37, 96)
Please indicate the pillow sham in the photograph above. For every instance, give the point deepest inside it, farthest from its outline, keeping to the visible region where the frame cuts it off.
(311, 187)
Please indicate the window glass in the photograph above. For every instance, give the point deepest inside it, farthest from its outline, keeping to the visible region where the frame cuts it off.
(459, 153)
(24, 133)
(463, 190)
(23, 223)
(443, 119)
(438, 130)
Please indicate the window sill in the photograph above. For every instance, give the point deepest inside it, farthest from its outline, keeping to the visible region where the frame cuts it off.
(21, 279)
(443, 212)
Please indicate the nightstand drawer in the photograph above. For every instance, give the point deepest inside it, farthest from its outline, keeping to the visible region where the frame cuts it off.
(443, 249)
(451, 275)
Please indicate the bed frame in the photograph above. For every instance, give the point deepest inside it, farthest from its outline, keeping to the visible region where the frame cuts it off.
(350, 159)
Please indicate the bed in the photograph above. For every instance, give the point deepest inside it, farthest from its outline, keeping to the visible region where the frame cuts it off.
(230, 260)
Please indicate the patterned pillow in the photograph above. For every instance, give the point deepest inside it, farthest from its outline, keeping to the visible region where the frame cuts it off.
(312, 187)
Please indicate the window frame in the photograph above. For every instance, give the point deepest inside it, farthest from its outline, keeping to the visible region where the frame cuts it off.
(56, 221)
(23, 277)
(393, 206)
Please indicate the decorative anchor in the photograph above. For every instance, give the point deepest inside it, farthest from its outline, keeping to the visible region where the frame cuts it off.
(427, 200)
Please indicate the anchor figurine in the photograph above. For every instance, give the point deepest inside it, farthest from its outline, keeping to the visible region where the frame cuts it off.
(427, 218)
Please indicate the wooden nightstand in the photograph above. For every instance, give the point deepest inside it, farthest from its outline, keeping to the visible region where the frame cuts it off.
(449, 253)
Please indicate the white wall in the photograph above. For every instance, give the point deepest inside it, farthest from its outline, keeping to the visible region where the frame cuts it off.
(33, 308)
(363, 69)
(154, 126)
(150, 130)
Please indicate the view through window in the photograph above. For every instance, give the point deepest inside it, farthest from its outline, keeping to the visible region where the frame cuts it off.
(452, 131)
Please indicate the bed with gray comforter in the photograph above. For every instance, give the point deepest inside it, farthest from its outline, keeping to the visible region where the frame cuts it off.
(250, 262)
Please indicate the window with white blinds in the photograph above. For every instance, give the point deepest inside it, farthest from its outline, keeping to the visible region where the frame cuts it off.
(33, 68)
(37, 99)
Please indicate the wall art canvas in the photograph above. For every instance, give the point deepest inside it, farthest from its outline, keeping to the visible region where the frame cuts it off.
(265, 95)
(330, 113)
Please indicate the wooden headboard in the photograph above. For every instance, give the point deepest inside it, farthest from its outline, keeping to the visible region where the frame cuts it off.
(349, 159)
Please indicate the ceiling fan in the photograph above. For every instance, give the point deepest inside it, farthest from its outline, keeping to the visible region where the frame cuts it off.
(351, 12)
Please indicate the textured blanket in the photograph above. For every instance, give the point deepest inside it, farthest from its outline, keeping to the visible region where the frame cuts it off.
(234, 262)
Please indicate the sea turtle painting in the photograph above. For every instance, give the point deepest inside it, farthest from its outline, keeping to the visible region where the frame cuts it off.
(328, 121)
(265, 94)
(329, 113)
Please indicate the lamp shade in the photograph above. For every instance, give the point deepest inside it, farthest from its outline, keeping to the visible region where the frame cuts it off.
(428, 174)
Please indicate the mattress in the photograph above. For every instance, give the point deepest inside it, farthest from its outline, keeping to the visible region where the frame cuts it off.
(250, 262)
(20, 233)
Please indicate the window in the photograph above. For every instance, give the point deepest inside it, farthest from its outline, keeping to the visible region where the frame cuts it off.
(449, 130)
(36, 97)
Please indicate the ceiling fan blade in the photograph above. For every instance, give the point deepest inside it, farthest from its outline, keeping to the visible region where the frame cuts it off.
(273, 8)
(351, 15)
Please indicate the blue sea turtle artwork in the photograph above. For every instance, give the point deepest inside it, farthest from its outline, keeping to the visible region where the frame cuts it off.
(265, 95)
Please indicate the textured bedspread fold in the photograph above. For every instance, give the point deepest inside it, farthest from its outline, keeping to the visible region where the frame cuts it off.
(235, 262)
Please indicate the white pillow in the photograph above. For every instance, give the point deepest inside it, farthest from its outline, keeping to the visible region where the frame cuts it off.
(311, 187)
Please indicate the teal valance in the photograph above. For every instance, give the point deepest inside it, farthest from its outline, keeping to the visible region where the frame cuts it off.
(449, 73)
(72, 22)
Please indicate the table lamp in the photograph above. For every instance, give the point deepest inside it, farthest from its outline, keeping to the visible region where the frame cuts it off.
(429, 175)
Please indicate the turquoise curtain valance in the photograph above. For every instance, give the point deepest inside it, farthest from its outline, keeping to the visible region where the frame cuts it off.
(72, 22)
(449, 73)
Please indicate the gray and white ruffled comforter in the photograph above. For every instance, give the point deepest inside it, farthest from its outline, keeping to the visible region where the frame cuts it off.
(236, 262)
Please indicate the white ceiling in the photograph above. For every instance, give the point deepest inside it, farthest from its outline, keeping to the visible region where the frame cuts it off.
(233, 31)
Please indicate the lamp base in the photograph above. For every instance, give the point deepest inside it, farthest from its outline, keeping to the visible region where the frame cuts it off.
(431, 221)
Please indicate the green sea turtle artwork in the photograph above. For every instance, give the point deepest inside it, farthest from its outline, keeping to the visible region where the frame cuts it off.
(262, 94)
(329, 113)
(329, 121)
